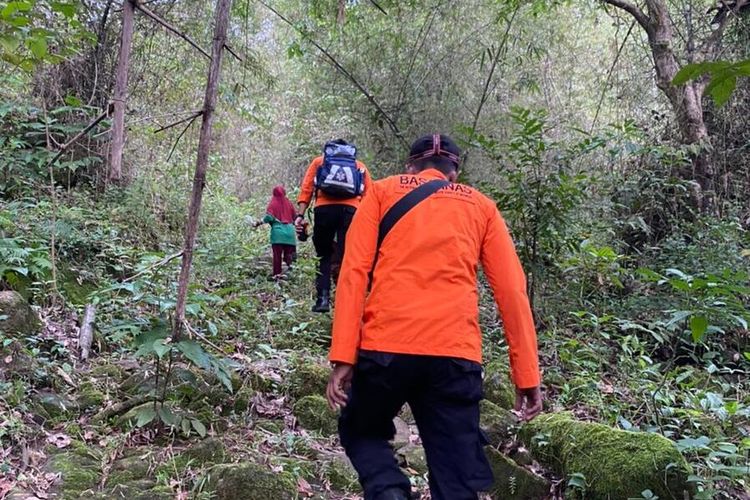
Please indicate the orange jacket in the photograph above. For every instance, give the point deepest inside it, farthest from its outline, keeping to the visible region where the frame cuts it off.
(307, 189)
(424, 297)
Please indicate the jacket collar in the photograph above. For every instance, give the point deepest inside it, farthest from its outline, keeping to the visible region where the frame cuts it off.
(432, 173)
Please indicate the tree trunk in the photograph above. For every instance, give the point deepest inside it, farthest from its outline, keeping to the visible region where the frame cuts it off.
(86, 333)
(686, 100)
(204, 143)
(121, 93)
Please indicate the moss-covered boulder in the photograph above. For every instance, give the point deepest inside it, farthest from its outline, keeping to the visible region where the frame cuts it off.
(16, 362)
(338, 471)
(498, 423)
(513, 482)
(135, 467)
(16, 315)
(208, 451)
(79, 474)
(308, 379)
(52, 405)
(616, 464)
(89, 397)
(498, 387)
(413, 457)
(249, 481)
(313, 413)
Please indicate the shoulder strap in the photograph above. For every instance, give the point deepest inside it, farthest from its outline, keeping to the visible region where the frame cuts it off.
(401, 208)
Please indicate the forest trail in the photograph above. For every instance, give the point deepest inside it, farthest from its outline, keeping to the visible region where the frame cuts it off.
(139, 140)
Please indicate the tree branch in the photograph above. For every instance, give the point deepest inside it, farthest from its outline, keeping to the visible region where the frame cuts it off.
(189, 118)
(633, 10)
(708, 48)
(171, 28)
(392, 124)
(80, 134)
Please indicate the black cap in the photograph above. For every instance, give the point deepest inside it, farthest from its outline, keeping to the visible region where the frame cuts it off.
(433, 145)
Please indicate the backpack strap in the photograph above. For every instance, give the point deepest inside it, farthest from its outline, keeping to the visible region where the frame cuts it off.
(401, 208)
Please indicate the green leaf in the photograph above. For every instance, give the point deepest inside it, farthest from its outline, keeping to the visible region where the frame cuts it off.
(185, 424)
(66, 9)
(689, 72)
(14, 7)
(38, 47)
(72, 100)
(168, 417)
(698, 327)
(195, 353)
(9, 43)
(721, 88)
(160, 347)
(199, 427)
(145, 416)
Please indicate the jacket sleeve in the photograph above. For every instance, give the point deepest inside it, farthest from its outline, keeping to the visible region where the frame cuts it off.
(307, 188)
(351, 289)
(506, 277)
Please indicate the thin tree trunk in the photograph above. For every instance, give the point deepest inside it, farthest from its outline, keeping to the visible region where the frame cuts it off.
(341, 16)
(121, 92)
(223, 8)
(86, 334)
(686, 100)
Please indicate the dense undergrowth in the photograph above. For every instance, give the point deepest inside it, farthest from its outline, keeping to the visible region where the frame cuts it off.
(642, 307)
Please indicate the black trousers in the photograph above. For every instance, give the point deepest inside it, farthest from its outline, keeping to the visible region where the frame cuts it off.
(329, 235)
(443, 394)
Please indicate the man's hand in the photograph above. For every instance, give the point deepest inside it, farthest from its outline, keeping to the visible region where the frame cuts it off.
(298, 220)
(528, 402)
(338, 386)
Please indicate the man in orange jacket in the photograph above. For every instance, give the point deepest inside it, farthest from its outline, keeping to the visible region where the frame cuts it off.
(415, 338)
(335, 205)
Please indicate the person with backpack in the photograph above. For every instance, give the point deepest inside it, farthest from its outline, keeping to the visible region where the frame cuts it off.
(280, 214)
(338, 181)
(416, 243)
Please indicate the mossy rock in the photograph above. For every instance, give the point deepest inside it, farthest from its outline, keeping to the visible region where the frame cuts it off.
(76, 293)
(261, 383)
(308, 379)
(142, 489)
(616, 464)
(207, 451)
(79, 474)
(497, 423)
(17, 316)
(313, 413)
(341, 475)
(107, 372)
(53, 406)
(513, 482)
(413, 457)
(89, 396)
(250, 481)
(136, 467)
(271, 426)
(242, 399)
(16, 362)
(498, 387)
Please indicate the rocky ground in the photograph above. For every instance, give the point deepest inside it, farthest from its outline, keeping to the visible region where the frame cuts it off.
(101, 431)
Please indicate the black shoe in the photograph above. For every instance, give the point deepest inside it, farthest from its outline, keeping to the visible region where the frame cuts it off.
(323, 304)
(393, 494)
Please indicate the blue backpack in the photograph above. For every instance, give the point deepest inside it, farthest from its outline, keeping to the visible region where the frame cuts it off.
(339, 176)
